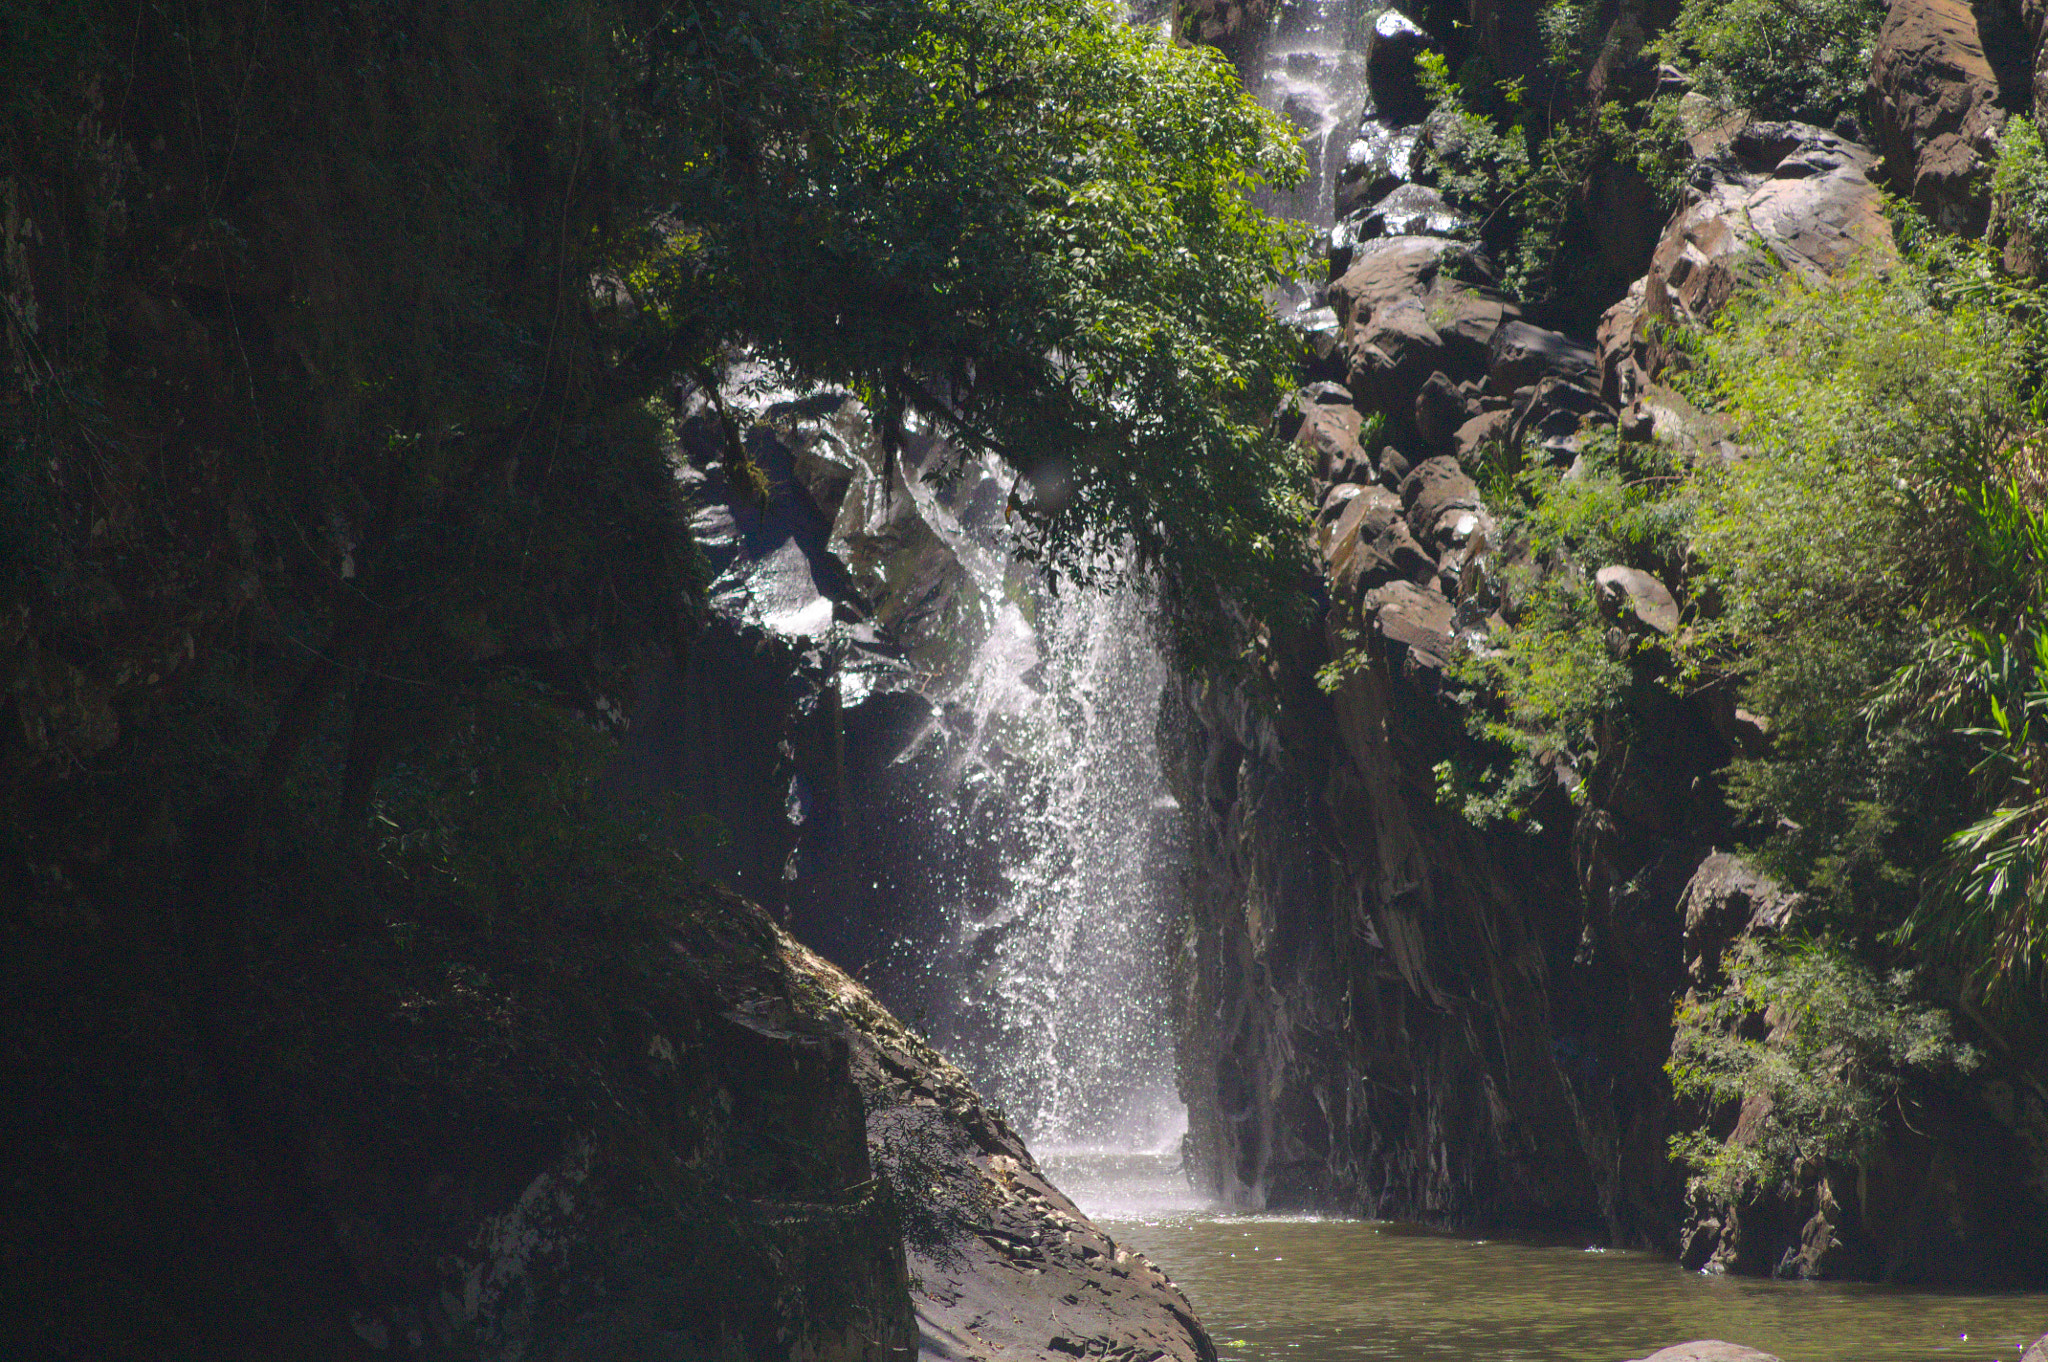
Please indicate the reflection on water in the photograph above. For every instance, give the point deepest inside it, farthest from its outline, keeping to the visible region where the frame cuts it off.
(1297, 1289)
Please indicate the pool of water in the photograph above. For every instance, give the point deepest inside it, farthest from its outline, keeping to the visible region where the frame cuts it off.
(1304, 1289)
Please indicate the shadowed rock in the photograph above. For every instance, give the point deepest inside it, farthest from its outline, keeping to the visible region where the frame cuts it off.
(1938, 120)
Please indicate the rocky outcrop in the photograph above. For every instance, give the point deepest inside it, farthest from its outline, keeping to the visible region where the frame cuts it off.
(1003, 1264)
(1386, 1010)
(1955, 1195)
(1773, 196)
(1938, 104)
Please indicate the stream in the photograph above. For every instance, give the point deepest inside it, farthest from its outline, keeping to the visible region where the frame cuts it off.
(1278, 1288)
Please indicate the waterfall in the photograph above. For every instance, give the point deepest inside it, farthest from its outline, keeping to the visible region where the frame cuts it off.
(1075, 979)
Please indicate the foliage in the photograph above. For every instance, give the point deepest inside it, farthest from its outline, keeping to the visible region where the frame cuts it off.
(1988, 902)
(1557, 671)
(1799, 59)
(1028, 223)
(1520, 166)
(1841, 1044)
(1838, 548)
(2019, 183)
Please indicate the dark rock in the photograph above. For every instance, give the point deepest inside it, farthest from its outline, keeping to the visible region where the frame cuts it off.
(1478, 436)
(1370, 546)
(1724, 900)
(1520, 355)
(1938, 114)
(1394, 466)
(1440, 408)
(1233, 27)
(1420, 623)
(1332, 432)
(1408, 312)
(1434, 487)
(1391, 47)
(1553, 414)
(1006, 1265)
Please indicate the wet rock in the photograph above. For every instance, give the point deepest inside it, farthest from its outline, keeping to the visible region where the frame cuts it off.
(1409, 210)
(1233, 27)
(1520, 355)
(1383, 156)
(1005, 1265)
(1938, 114)
(1637, 598)
(1708, 1350)
(1391, 47)
(1778, 195)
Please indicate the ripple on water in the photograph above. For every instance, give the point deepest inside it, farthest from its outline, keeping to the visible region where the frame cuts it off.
(1313, 1289)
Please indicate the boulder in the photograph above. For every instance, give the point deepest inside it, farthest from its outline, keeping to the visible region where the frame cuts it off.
(2037, 1351)
(1233, 27)
(1520, 355)
(1936, 96)
(1777, 195)
(1383, 156)
(1552, 414)
(1370, 546)
(1408, 210)
(1435, 487)
(1391, 47)
(1708, 1350)
(1410, 307)
(1420, 624)
(1726, 899)
(1392, 358)
(1635, 598)
(1488, 428)
(1331, 431)
(1441, 407)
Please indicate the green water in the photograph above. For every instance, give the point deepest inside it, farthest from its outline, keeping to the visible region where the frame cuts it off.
(1293, 1289)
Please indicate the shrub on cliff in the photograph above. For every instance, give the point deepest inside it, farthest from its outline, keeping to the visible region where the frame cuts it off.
(1840, 551)
(1800, 59)
(1842, 1042)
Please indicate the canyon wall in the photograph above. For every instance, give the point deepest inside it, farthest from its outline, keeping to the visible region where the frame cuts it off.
(1387, 1011)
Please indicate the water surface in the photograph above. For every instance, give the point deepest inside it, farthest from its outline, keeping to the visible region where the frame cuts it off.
(1302, 1289)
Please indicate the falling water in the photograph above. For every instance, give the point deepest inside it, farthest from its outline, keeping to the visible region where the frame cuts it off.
(1075, 978)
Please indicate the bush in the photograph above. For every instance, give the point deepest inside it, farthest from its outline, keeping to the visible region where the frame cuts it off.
(1837, 550)
(1842, 1043)
(1801, 59)
(1556, 674)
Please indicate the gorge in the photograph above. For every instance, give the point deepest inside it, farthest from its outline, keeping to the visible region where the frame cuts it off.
(727, 682)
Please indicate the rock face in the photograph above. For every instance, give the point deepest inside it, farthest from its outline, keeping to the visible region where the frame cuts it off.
(1938, 108)
(1004, 1265)
(1386, 1011)
(1952, 1197)
(1775, 195)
